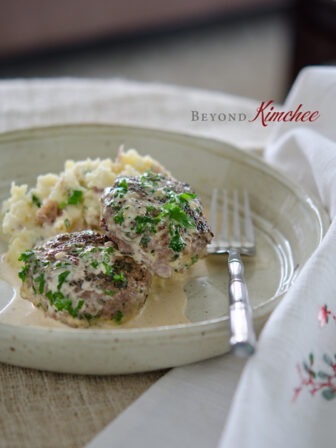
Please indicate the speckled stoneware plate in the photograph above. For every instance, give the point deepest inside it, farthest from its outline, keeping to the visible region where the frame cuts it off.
(289, 226)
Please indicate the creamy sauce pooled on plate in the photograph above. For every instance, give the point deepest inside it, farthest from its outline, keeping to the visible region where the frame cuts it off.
(166, 303)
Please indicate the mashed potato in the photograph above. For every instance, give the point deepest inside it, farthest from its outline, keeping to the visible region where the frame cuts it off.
(66, 202)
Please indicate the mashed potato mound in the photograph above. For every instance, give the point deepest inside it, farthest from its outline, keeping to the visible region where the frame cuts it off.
(66, 202)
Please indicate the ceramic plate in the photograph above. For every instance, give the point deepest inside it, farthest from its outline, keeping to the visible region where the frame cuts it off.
(289, 226)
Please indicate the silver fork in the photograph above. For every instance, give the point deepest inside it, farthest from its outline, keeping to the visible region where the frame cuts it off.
(243, 340)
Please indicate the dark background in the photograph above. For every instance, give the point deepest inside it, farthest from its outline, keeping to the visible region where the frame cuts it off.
(251, 48)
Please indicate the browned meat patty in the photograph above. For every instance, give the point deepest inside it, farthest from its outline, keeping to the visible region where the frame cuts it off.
(80, 277)
(156, 219)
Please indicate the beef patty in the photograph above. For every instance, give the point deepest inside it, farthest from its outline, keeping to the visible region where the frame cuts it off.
(157, 220)
(80, 277)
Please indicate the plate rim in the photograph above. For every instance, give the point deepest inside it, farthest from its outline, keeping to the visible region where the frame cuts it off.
(192, 328)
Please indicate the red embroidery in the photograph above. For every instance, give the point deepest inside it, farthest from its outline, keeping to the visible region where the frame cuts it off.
(324, 314)
(317, 380)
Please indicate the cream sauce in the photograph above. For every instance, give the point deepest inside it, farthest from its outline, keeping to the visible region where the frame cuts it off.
(165, 305)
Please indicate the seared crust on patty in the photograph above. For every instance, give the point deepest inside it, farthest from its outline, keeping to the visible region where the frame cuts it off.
(156, 219)
(81, 277)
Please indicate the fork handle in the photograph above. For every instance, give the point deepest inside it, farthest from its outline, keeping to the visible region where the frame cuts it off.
(243, 340)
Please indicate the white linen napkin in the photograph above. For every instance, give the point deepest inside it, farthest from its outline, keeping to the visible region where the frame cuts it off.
(287, 394)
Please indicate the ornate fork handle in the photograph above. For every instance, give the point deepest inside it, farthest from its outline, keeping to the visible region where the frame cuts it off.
(243, 340)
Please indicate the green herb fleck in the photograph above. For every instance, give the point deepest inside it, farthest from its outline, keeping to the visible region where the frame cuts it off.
(25, 256)
(41, 283)
(119, 277)
(120, 281)
(75, 197)
(150, 208)
(185, 197)
(176, 213)
(108, 269)
(60, 264)
(36, 201)
(149, 176)
(145, 240)
(80, 304)
(60, 302)
(146, 223)
(121, 188)
(194, 259)
(67, 223)
(177, 243)
(62, 278)
(118, 316)
(94, 264)
(62, 205)
(109, 292)
(23, 273)
(119, 218)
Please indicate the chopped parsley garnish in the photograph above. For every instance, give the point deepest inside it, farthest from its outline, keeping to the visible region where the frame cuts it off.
(146, 223)
(185, 197)
(94, 264)
(119, 277)
(194, 259)
(109, 292)
(25, 256)
(177, 243)
(60, 264)
(23, 273)
(176, 213)
(67, 223)
(149, 176)
(60, 302)
(62, 278)
(108, 269)
(36, 201)
(118, 316)
(121, 188)
(119, 218)
(40, 283)
(150, 208)
(120, 281)
(75, 197)
(145, 240)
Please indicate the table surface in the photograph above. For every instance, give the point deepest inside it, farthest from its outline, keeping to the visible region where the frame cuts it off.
(47, 410)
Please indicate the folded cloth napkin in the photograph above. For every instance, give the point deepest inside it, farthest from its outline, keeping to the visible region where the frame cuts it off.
(285, 395)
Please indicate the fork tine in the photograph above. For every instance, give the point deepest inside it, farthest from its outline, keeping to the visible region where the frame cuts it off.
(248, 224)
(224, 238)
(241, 323)
(236, 222)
